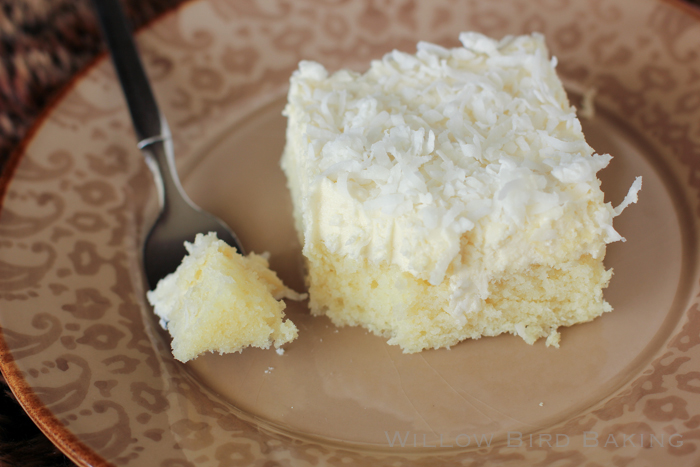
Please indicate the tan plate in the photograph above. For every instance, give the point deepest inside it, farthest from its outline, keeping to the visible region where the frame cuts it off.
(85, 356)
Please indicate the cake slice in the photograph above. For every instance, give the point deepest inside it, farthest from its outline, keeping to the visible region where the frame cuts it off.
(220, 301)
(448, 195)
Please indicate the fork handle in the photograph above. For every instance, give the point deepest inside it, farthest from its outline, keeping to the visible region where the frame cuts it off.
(150, 125)
(148, 120)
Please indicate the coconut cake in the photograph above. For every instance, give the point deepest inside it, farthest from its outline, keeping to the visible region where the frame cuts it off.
(448, 194)
(220, 301)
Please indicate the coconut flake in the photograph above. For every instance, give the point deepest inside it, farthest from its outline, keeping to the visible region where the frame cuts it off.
(631, 197)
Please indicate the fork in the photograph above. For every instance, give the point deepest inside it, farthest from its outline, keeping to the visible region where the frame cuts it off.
(180, 219)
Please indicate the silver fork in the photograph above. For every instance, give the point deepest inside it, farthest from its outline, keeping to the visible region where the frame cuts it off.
(180, 219)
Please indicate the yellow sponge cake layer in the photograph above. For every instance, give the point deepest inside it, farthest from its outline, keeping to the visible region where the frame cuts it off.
(220, 301)
(448, 194)
(410, 311)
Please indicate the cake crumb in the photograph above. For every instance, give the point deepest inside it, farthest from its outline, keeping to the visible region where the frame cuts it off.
(280, 351)
(587, 109)
(541, 404)
(269, 370)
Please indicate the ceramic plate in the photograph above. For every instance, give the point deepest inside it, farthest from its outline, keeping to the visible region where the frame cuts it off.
(85, 356)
